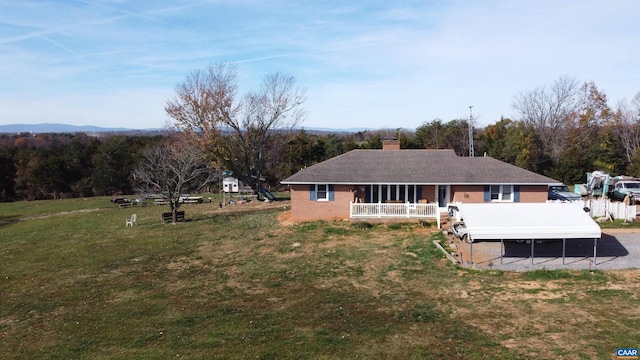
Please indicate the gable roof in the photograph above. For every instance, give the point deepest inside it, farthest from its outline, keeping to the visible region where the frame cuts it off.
(414, 167)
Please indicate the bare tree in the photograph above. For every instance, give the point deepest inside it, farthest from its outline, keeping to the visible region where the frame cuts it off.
(626, 126)
(172, 168)
(550, 112)
(205, 101)
(237, 132)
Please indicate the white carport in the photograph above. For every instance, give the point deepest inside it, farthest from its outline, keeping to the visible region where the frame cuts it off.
(528, 221)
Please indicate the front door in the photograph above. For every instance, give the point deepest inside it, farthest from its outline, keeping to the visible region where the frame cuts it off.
(443, 196)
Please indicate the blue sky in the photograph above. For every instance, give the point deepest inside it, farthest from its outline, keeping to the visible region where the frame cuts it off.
(375, 64)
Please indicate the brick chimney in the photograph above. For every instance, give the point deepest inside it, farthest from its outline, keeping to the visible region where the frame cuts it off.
(391, 145)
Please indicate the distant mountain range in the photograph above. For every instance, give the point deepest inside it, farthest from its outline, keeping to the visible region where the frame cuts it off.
(64, 128)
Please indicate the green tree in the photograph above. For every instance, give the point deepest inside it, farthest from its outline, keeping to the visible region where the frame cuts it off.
(514, 142)
(7, 174)
(114, 161)
(438, 135)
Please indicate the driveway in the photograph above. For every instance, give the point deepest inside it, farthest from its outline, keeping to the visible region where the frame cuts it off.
(617, 249)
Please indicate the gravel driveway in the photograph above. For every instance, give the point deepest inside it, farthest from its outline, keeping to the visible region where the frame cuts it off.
(617, 249)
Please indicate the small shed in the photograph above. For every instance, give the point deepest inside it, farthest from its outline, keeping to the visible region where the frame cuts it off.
(230, 185)
(233, 185)
(528, 221)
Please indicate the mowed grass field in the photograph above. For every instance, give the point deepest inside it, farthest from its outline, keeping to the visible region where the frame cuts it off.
(242, 282)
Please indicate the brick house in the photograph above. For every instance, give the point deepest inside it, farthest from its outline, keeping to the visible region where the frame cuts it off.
(405, 184)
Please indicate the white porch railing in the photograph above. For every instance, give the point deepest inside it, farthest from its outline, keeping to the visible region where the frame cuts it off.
(397, 211)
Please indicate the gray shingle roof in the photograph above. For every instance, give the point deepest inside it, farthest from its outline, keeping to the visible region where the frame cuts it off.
(414, 167)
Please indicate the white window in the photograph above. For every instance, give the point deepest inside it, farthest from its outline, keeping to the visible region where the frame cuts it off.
(502, 193)
(322, 192)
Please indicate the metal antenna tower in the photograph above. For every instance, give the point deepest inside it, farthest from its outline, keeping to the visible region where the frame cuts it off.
(471, 151)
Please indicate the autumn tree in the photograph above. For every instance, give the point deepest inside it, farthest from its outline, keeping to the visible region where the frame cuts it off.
(171, 168)
(626, 127)
(236, 132)
(588, 144)
(549, 112)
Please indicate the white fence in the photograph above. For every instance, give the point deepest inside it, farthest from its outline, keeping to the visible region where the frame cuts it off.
(605, 208)
(397, 211)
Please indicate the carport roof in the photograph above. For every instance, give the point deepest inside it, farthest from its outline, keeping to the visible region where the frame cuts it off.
(528, 221)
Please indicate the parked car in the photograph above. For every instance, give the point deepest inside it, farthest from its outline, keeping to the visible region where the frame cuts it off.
(624, 188)
(562, 192)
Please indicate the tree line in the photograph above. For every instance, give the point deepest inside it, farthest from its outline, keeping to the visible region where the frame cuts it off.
(54, 166)
(66, 165)
(563, 131)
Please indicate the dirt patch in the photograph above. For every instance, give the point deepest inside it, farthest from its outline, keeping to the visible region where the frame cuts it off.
(621, 231)
(285, 218)
(43, 216)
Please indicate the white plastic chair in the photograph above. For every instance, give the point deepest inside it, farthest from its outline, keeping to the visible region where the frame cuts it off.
(131, 221)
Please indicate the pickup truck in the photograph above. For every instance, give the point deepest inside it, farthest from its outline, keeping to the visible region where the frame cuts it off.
(624, 188)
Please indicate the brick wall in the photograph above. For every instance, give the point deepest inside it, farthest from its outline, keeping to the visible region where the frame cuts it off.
(534, 193)
(303, 209)
(467, 193)
(475, 193)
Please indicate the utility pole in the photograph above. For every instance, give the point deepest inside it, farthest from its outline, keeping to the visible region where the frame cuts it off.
(471, 151)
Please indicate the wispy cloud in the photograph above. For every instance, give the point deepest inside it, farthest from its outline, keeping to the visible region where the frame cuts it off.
(365, 63)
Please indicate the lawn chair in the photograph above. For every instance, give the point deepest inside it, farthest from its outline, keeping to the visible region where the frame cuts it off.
(131, 221)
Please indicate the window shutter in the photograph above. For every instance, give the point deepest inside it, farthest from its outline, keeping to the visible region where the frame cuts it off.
(516, 193)
(367, 194)
(418, 192)
(487, 193)
(312, 192)
(330, 192)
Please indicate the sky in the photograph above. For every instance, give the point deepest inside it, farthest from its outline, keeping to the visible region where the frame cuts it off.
(378, 64)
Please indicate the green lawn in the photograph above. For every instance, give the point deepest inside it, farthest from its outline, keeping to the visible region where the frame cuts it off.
(76, 284)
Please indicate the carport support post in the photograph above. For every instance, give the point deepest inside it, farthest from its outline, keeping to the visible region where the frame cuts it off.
(501, 250)
(532, 241)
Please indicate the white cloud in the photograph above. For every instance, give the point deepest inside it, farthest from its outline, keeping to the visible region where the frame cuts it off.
(373, 63)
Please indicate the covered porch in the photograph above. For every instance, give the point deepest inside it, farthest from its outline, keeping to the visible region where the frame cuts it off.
(403, 193)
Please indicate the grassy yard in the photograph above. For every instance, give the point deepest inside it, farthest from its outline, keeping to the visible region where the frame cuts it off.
(241, 282)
